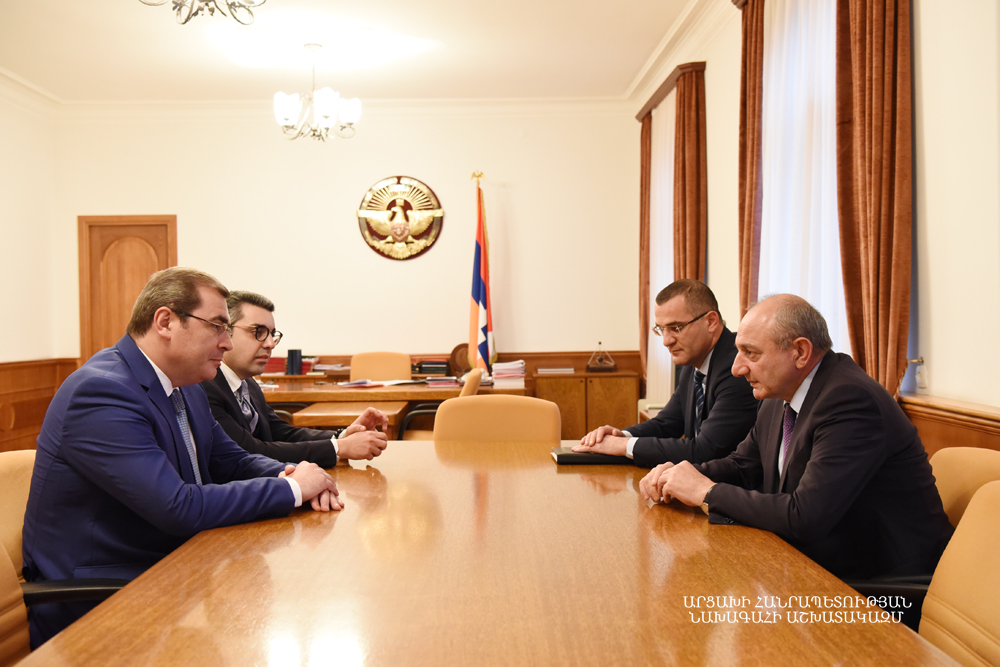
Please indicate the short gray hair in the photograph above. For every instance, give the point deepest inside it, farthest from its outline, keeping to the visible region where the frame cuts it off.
(794, 317)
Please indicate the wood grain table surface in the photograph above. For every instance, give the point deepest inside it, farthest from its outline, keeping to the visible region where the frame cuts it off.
(310, 392)
(464, 554)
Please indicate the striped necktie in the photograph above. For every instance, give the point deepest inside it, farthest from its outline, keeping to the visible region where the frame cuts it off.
(246, 407)
(699, 399)
(182, 421)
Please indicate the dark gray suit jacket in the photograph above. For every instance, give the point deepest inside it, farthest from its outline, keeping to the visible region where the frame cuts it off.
(857, 495)
(730, 411)
(273, 436)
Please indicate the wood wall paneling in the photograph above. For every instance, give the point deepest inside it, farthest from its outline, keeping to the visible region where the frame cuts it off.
(946, 423)
(26, 388)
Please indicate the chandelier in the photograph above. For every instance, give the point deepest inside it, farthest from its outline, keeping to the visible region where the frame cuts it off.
(188, 9)
(329, 112)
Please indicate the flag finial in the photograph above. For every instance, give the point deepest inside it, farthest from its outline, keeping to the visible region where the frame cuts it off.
(477, 175)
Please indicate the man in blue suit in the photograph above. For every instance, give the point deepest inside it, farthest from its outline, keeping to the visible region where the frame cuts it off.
(130, 462)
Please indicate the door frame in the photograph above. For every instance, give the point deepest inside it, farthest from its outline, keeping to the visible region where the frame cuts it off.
(84, 225)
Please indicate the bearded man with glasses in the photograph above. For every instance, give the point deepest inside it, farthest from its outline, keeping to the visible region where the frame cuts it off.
(711, 411)
(239, 406)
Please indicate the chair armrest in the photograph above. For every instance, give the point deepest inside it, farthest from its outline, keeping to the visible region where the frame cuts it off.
(285, 415)
(409, 418)
(69, 590)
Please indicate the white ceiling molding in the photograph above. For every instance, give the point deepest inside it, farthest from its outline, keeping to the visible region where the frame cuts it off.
(26, 96)
(700, 21)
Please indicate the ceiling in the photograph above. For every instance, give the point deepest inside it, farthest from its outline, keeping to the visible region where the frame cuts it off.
(123, 50)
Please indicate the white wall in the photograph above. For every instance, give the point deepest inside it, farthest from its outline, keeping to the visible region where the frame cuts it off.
(711, 33)
(957, 180)
(278, 217)
(27, 169)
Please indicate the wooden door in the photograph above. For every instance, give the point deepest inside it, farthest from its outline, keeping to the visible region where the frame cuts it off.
(117, 256)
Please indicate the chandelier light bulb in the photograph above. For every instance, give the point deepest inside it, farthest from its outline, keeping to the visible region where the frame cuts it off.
(328, 112)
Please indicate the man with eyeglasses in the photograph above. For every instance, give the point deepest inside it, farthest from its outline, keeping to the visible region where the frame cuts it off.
(711, 411)
(241, 409)
(130, 462)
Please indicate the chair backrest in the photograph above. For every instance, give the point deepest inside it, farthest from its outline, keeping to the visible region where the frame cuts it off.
(959, 472)
(498, 418)
(472, 382)
(15, 480)
(961, 613)
(381, 366)
(14, 641)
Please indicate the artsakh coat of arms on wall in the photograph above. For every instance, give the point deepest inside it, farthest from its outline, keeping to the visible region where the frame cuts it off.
(400, 217)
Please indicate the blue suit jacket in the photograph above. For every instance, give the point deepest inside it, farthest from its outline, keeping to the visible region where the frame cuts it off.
(113, 490)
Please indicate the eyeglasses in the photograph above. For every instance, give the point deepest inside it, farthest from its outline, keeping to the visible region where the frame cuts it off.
(677, 328)
(219, 328)
(260, 332)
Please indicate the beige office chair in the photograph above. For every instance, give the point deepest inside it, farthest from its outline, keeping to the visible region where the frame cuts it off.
(15, 480)
(498, 418)
(959, 472)
(470, 388)
(377, 366)
(15, 595)
(961, 613)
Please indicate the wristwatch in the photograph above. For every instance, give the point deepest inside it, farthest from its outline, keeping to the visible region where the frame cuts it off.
(704, 501)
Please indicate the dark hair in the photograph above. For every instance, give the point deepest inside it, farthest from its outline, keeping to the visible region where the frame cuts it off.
(175, 288)
(697, 295)
(237, 298)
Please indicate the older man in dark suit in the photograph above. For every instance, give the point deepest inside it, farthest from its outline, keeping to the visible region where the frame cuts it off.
(239, 406)
(711, 411)
(832, 464)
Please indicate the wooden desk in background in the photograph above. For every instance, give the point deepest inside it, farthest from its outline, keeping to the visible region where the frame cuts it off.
(309, 392)
(343, 413)
(465, 554)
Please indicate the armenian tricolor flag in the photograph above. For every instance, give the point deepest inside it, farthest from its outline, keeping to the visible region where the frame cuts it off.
(482, 353)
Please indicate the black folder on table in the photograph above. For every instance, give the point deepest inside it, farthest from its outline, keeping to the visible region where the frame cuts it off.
(566, 456)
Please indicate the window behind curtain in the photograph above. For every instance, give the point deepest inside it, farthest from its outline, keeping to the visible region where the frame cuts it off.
(800, 238)
(661, 240)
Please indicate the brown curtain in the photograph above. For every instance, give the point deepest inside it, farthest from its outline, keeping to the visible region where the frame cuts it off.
(874, 180)
(690, 178)
(645, 161)
(750, 180)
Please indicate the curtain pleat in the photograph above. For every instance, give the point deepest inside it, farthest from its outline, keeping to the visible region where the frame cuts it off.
(875, 180)
(645, 161)
(750, 155)
(690, 179)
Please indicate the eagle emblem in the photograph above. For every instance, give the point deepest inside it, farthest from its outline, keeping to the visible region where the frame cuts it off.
(400, 217)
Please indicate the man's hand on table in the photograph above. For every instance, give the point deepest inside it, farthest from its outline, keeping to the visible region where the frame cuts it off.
(681, 481)
(603, 440)
(317, 487)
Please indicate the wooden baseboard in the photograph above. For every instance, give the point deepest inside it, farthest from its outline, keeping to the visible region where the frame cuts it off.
(26, 387)
(946, 423)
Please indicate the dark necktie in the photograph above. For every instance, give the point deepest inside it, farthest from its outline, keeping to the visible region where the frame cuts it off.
(787, 424)
(246, 407)
(699, 400)
(182, 421)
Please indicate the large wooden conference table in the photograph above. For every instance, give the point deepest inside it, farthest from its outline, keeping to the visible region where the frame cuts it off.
(464, 554)
(313, 392)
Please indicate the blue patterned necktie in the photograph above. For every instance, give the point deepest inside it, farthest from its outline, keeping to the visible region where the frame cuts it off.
(246, 407)
(699, 399)
(182, 421)
(787, 424)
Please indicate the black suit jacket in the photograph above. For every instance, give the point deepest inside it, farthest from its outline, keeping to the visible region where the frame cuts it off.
(273, 436)
(730, 411)
(857, 495)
